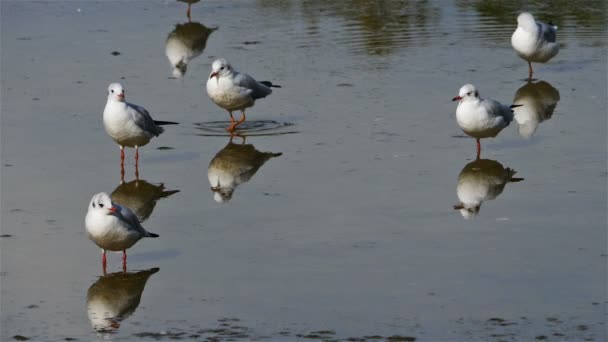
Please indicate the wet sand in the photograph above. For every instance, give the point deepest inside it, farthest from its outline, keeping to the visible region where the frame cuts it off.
(351, 231)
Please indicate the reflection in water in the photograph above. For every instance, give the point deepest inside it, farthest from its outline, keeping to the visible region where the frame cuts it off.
(140, 196)
(481, 180)
(189, 2)
(233, 165)
(114, 297)
(185, 42)
(538, 102)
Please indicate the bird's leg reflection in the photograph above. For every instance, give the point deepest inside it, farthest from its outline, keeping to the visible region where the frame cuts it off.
(188, 12)
(124, 260)
(530, 71)
(243, 137)
(478, 148)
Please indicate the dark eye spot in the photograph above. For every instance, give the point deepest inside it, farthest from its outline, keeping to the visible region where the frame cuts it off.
(101, 205)
(222, 68)
(112, 90)
(93, 205)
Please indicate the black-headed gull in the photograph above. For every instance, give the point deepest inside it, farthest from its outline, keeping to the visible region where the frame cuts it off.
(185, 42)
(114, 297)
(113, 227)
(128, 124)
(233, 90)
(479, 181)
(481, 118)
(233, 165)
(534, 41)
(538, 102)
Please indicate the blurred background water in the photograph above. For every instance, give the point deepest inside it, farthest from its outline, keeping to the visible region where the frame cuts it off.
(340, 221)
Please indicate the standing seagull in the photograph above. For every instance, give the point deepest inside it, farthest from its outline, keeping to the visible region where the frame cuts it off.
(113, 227)
(481, 118)
(534, 41)
(129, 124)
(233, 90)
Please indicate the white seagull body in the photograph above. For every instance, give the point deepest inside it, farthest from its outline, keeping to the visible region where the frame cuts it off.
(534, 41)
(480, 118)
(128, 124)
(113, 227)
(233, 90)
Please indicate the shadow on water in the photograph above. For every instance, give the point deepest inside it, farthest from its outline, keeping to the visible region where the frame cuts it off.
(479, 181)
(233, 165)
(247, 128)
(114, 297)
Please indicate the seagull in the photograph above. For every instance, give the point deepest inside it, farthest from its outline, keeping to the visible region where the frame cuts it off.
(186, 42)
(113, 227)
(114, 297)
(481, 118)
(233, 165)
(534, 41)
(233, 90)
(129, 124)
(479, 181)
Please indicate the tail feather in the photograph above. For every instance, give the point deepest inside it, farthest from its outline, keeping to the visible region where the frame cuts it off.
(269, 84)
(160, 123)
(152, 235)
(514, 106)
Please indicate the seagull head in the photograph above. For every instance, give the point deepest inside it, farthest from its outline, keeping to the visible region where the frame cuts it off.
(116, 92)
(102, 204)
(468, 211)
(220, 68)
(467, 92)
(526, 21)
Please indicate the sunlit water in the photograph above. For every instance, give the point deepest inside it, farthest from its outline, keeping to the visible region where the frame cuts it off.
(345, 198)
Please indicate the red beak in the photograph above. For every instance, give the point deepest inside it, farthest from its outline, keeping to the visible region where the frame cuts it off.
(214, 74)
(112, 209)
(457, 98)
(121, 96)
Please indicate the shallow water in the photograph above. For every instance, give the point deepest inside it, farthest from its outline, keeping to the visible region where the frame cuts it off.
(351, 232)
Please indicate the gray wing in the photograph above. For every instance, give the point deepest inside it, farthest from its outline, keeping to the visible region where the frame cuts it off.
(131, 220)
(142, 119)
(547, 31)
(252, 87)
(500, 111)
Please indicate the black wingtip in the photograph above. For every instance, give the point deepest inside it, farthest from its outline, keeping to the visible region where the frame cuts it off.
(269, 84)
(514, 106)
(160, 123)
(152, 235)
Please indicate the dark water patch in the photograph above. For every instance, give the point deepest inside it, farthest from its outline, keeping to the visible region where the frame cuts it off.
(20, 338)
(247, 128)
(165, 148)
(5, 236)
(252, 42)
(115, 53)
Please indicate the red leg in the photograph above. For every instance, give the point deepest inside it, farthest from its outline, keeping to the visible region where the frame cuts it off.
(103, 260)
(478, 148)
(243, 118)
(122, 164)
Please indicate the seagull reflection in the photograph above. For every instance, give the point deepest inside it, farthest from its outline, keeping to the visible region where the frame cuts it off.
(185, 42)
(233, 165)
(538, 102)
(114, 297)
(140, 196)
(481, 180)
